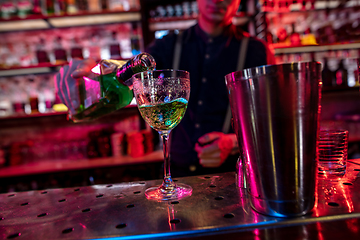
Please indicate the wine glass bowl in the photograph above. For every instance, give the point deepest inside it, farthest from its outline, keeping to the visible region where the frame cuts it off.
(162, 97)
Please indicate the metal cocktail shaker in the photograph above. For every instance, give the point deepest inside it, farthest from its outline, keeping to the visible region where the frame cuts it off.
(276, 110)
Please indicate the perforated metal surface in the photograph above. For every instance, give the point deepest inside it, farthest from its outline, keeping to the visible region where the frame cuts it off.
(122, 211)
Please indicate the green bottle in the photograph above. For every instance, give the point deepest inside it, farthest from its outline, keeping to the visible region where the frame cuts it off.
(111, 88)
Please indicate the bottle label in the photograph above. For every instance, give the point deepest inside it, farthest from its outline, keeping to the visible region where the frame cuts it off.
(126, 72)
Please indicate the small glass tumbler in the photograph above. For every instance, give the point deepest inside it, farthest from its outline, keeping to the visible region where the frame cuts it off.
(333, 152)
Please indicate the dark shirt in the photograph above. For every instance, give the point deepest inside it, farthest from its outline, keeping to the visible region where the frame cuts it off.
(208, 60)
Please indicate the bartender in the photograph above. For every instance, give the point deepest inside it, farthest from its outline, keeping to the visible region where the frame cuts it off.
(204, 141)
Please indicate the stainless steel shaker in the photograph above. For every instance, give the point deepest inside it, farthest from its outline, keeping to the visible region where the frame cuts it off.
(276, 110)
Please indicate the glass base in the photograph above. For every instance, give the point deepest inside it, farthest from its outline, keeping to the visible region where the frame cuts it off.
(157, 193)
(332, 169)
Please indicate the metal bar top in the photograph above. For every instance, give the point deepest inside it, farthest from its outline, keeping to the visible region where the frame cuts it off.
(217, 208)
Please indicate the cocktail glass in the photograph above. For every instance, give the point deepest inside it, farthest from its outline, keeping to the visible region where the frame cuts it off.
(162, 98)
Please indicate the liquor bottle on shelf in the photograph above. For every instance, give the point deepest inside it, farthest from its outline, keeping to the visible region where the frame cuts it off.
(36, 6)
(341, 75)
(60, 7)
(48, 7)
(194, 9)
(114, 46)
(178, 10)
(341, 25)
(160, 11)
(27, 57)
(48, 98)
(18, 96)
(24, 8)
(94, 6)
(108, 88)
(104, 5)
(76, 50)
(295, 38)
(135, 40)
(33, 95)
(170, 11)
(94, 47)
(134, 4)
(323, 28)
(59, 51)
(92, 148)
(269, 37)
(282, 36)
(12, 56)
(357, 77)
(41, 53)
(186, 9)
(71, 7)
(82, 5)
(8, 9)
(115, 5)
(283, 6)
(328, 76)
(354, 31)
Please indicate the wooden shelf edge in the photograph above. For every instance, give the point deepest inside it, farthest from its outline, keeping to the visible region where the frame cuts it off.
(340, 89)
(73, 21)
(73, 165)
(34, 69)
(80, 13)
(172, 25)
(315, 48)
(68, 20)
(34, 115)
(24, 116)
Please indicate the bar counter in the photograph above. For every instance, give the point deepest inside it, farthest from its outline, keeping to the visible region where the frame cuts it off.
(217, 209)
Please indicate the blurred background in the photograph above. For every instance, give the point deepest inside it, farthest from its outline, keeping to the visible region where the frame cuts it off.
(40, 148)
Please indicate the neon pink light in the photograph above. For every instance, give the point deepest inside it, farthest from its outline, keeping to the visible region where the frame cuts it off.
(87, 79)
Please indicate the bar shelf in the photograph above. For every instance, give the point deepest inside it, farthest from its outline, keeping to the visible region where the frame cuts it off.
(180, 23)
(68, 20)
(170, 23)
(287, 49)
(52, 166)
(33, 115)
(58, 114)
(304, 6)
(80, 13)
(34, 69)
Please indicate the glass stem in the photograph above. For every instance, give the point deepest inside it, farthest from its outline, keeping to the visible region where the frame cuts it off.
(168, 184)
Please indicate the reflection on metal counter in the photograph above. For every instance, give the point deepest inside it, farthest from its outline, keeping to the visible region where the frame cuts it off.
(217, 207)
(276, 111)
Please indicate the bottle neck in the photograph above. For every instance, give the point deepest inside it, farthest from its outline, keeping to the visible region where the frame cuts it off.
(139, 63)
(124, 74)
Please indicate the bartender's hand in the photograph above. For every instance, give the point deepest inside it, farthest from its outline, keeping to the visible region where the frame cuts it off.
(66, 81)
(213, 148)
